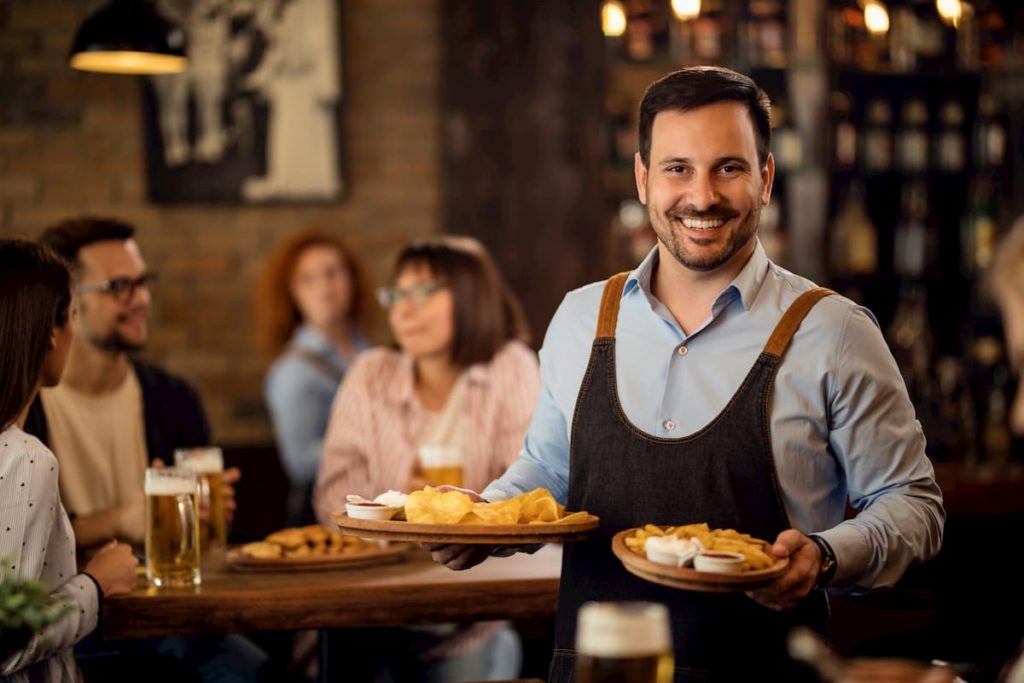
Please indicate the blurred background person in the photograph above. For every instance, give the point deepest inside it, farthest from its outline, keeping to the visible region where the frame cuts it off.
(459, 382)
(312, 313)
(35, 333)
(1008, 288)
(112, 415)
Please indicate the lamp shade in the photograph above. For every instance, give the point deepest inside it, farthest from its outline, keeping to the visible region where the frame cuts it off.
(129, 37)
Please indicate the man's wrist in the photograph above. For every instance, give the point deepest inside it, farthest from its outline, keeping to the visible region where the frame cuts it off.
(827, 567)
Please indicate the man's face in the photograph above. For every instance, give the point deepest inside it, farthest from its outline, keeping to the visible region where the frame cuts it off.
(704, 189)
(113, 322)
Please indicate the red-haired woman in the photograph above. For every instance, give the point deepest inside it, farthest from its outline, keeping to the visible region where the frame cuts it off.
(311, 310)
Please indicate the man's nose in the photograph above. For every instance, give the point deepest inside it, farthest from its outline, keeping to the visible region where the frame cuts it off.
(703, 193)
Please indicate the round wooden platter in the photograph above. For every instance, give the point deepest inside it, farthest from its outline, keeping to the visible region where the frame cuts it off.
(689, 579)
(469, 534)
(236, 561)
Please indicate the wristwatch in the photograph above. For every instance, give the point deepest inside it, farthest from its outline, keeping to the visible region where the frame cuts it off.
(827, 569)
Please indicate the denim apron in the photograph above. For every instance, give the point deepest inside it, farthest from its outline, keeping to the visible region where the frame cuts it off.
(723, 474)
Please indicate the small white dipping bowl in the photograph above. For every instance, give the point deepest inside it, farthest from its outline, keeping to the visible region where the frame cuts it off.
(368, 511)
(719, 562)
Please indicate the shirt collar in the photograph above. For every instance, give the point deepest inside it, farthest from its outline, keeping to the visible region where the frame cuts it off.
(306, 337)
(745, 285)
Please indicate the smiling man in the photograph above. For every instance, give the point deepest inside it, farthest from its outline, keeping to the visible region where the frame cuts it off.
(112, 415)
(721, 388)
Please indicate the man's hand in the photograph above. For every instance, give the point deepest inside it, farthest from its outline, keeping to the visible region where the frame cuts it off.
(798, 581)
(458, 556)
(454, 555)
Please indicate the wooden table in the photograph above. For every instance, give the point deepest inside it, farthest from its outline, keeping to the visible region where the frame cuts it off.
(417, 591)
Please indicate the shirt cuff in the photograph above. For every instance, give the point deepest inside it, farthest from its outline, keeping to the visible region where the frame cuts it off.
(99, 597)
(852, 550)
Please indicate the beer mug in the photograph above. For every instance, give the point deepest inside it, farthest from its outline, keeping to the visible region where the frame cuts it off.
(208, 464)
(172, 527)
(623, 641)
(441, 465)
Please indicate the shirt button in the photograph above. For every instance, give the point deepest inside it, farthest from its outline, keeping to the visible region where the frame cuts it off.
(669, 425)
(682, 351)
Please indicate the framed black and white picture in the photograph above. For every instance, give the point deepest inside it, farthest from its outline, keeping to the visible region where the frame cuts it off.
(256, 116)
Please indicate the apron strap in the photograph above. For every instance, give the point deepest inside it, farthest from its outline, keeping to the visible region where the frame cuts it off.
(609, 312)
(791, 320)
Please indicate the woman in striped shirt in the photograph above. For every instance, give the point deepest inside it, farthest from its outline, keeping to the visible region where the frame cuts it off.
(450, 405)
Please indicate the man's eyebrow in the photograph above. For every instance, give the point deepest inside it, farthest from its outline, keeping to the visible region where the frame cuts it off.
(718, 162)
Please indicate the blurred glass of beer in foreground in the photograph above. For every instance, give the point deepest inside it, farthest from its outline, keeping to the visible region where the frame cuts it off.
(623, 641)
(208, 463)
(441, 465)
(172, 527)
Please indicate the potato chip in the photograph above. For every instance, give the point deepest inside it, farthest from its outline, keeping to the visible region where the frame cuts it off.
(500, 512)
(431, 507)
(539, 506)
(534, 507)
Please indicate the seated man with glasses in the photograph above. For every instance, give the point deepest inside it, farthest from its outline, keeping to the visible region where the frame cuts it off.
(113, 415)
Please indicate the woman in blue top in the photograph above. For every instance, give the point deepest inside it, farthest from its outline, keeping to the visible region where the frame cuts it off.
(312, 312)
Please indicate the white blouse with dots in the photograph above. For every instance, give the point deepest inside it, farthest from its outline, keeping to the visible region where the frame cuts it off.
(37, 542)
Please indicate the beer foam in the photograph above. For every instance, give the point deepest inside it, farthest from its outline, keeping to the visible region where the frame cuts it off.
(623, 629)
(203, 460)
(168, 485)
(440, 456)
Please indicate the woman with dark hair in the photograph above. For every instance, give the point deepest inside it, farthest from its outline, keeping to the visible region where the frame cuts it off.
(36, 538)
(311, 308)
(449, 405)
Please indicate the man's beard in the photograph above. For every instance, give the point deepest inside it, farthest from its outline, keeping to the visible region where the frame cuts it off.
(674, 240)
(115, 342)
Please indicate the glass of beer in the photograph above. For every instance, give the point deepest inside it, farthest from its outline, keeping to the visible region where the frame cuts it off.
(172, 527)
(208, 464)
(623, 641)
(441, 465)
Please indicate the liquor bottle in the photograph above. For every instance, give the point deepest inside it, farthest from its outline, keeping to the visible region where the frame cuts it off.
(979, 229)
(844, 133)
(902, 36)
(950, 146)
(996, 434)
(877, 139)
(912, 148)
(989, 134)
(786, 144)
(914, 242)
(854, 240)
(767, 34)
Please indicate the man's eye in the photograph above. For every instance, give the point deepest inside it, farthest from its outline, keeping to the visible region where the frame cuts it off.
(118, 285)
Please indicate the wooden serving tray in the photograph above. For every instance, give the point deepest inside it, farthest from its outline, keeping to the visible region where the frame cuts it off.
(689, 579)
(469, 534)
(236, 561)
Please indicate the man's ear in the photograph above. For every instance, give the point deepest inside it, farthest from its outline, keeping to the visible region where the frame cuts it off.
(640, 171)
(53, 339)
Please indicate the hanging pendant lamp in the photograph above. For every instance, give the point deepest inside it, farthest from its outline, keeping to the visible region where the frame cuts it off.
(129, 37)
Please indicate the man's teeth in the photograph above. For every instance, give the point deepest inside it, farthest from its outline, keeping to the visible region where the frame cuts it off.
(698, 224)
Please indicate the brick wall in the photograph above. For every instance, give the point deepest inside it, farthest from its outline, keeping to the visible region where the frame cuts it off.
(72, 143)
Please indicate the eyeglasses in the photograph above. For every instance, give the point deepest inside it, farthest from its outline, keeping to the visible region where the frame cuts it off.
(389, 296)
(121, 288)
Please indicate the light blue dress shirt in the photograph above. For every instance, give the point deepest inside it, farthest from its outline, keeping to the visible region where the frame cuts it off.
(299, 395)
(842, 424)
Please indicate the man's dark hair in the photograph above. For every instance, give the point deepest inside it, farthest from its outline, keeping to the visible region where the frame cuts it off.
(700, 86)
(35, 294)
(69, 237)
